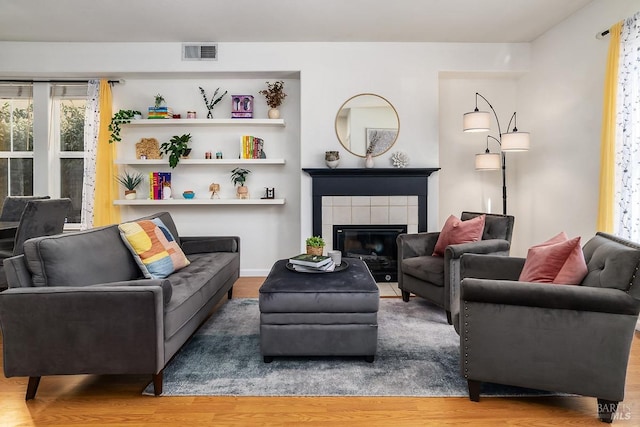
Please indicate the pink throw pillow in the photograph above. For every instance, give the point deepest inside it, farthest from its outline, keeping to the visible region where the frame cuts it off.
(558, 260)
(456, 231)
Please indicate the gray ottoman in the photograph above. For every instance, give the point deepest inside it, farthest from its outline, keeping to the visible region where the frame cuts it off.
(319, 314)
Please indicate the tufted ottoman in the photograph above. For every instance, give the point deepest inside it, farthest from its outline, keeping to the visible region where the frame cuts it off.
(319, 314)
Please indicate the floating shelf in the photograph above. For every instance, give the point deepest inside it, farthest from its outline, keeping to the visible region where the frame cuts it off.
(142, 202)
(206, 122)
(211, 162)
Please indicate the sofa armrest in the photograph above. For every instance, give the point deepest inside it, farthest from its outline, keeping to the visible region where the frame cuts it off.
(491, 266)
(550, 296)
(490, 246)
(416, 244)
(71, 330)
(196, 245)
(167, 289)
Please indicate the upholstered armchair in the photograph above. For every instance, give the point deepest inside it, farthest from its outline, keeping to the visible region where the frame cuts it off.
(437, 278)
(562, 338)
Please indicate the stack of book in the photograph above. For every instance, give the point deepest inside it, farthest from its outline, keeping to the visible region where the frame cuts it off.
(157, 180)
(251, 147)
(312, 263)
(160, 113)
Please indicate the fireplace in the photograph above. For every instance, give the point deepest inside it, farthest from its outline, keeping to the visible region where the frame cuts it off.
(374, 244)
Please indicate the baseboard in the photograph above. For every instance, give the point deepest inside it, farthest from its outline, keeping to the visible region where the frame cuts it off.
(254, 272)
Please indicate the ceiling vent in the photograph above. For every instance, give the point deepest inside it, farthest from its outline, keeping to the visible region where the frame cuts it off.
(200, 51)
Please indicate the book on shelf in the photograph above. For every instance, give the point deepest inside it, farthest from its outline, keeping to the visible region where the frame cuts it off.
(251, 147)
(157, 180)
(330, 266)
(309, 260)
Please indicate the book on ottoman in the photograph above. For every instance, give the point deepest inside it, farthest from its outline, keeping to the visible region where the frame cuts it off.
(309, 260)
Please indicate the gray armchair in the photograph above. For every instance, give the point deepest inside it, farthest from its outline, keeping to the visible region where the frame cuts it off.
(563, 338)
(437, 279)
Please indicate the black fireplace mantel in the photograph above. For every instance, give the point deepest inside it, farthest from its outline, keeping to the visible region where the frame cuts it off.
(369, 182)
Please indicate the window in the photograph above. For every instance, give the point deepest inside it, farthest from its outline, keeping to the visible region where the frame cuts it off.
(16, 140)
(56, 152)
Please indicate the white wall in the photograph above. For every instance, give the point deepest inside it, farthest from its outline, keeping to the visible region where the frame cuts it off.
(404, 73)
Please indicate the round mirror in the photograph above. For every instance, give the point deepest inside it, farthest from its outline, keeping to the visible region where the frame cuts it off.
(367, 122)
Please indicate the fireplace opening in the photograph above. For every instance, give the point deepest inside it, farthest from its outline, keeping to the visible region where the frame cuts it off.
(374, 244)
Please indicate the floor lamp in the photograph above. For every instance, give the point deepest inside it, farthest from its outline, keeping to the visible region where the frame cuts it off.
(480, 121)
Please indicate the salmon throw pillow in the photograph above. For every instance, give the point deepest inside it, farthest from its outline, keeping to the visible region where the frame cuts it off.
(558, 260)
(456, 231)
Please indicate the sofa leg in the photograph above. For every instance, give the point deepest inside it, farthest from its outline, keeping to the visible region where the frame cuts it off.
(449, 320)
(474, 390)
(157, 383)
(405, 295)
(607, 410)
(230, 293)
(32, 387)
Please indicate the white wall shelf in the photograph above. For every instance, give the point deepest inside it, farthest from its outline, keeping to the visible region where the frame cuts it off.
(206, 122)
(196, 201)
(211, 162)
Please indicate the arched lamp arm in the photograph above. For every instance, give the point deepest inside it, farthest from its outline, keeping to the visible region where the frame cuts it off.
(492, 109)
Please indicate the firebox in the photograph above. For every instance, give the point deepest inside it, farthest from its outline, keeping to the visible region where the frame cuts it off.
(374, 244)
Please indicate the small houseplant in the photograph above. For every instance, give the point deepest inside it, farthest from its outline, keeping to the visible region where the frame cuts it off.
(120, 118)
(212, 103)
(176, 148)
(315, 245)
(158, 100)
(239, 177)
(130, 181)
(274, 93)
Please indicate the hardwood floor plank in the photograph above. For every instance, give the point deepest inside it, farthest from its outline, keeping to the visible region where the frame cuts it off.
(108, 400)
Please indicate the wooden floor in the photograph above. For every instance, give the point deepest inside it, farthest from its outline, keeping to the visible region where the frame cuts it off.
(116, 400)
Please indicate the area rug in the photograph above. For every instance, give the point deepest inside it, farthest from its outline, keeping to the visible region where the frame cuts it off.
(418, 355)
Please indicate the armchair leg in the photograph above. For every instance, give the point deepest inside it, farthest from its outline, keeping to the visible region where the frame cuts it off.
(474, 390)
(157, 383)
(607, 410)
(32, 387)
(449, 320)
(230, 293)
(405, 295)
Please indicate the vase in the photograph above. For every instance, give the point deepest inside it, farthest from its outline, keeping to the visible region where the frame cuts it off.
(368, 161)
(130, 194)
(332, 159)
(242, 192)
(274, 113)
(166, 192)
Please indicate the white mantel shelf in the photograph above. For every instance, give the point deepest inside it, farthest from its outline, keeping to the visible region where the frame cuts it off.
(211, 162)
(206, 122)
(196, 201)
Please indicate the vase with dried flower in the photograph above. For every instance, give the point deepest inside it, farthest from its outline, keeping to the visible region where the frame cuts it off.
(368, 158)
(274, 93)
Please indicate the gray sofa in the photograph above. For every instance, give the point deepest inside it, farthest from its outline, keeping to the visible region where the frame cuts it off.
(77, 303)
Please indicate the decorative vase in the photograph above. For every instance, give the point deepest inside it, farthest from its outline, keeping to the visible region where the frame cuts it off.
(130, 194)
(368, 161)
(315, 250)
(332, 159)
(186, 153)
(166, 192)
(242, 192)
(274, 113)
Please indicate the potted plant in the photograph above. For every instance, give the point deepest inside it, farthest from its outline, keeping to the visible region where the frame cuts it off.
(177, 147)
(120, 118)
(274, 93)
(158, 100)
(315, 245)
(211, 103)
(239, 177)
(130, 181)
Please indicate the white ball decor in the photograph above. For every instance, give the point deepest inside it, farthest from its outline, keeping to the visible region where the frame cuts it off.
(400, 159)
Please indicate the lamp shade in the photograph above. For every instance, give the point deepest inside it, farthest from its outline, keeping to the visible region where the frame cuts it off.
(476, 121)
(515, 141)
(488, 161)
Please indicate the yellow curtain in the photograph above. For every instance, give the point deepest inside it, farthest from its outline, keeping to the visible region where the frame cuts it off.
(607, 142)
(104, 211)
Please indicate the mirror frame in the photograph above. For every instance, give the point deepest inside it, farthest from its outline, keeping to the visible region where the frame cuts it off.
(342, 107)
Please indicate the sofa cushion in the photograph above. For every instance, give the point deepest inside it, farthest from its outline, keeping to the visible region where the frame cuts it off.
(558, 260)
(79, 259)
(427, 268)
(153, 247)
(456, 231)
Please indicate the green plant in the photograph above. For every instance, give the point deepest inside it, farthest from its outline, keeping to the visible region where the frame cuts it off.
(239, 176)
(274, 93)
(176, 147)
(158, 101)
(213, 102)
(120, 118)
(315, 242)
(130, 180)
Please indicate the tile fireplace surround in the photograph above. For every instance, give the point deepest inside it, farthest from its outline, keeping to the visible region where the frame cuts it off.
(369, 196)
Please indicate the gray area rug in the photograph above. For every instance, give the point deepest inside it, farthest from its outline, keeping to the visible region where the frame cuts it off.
(417, 356)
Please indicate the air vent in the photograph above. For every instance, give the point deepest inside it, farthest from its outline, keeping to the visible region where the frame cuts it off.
(199, 51)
